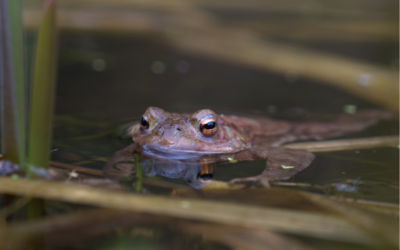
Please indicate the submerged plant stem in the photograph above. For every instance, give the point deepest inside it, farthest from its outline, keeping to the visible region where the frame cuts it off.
(139, 173)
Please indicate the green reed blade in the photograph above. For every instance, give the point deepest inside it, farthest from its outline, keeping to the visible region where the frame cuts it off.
(12, 82)
(139, 172)
(43, 89)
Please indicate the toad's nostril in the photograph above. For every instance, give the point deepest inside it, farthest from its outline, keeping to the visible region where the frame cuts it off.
(179, 129)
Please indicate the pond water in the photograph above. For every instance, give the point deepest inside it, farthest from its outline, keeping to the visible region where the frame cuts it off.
(105, 82)
(117, 58)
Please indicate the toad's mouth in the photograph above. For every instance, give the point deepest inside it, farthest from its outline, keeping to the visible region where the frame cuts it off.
(180, 154)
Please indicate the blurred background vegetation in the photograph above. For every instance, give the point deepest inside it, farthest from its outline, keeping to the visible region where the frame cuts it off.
(186, 55)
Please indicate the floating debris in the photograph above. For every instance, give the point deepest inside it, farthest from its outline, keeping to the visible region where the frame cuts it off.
(73, 174)
(231, 160)
(345, 188)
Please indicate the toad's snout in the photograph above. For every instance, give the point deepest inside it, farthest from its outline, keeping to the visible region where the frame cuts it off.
(169, 134)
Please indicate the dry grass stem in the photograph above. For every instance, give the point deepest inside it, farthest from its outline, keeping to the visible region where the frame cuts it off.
(381, 207)
(303, 223)
(243, 238)
(71, 228)
(78, 169)
(347, 144)
(384, 227)
(65, 229)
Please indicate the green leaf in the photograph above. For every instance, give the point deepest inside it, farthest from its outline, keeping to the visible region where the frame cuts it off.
(12, 82)
(43, 88)
(287, 167)
(139, 172)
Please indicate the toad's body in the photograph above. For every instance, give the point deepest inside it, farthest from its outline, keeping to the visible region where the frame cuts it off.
(216, 138)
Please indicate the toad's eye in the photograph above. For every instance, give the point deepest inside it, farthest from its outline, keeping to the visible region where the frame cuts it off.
(208, 126)
(144, 123)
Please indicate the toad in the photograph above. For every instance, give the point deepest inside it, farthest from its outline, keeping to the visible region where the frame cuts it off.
(207, 137)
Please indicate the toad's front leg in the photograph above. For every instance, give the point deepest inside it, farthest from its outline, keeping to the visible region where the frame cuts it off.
(121, 164)
(282, 163)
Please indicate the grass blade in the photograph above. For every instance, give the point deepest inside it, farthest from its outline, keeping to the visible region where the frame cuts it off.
(139, 173)
(346, 144)
(43, 88)
(12, 82)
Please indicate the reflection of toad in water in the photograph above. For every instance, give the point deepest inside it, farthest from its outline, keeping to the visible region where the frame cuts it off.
(196, 173)
(178, 140)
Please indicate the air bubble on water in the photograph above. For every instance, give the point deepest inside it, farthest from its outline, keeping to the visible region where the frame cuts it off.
(99, 64)
(158, 67)
(182, 67)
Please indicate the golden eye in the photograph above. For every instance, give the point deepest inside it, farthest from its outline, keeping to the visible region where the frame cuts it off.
(208, 126)
(144, 123)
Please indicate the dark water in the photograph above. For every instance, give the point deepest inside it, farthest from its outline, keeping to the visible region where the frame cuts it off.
(128, 86)
(105, 81)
